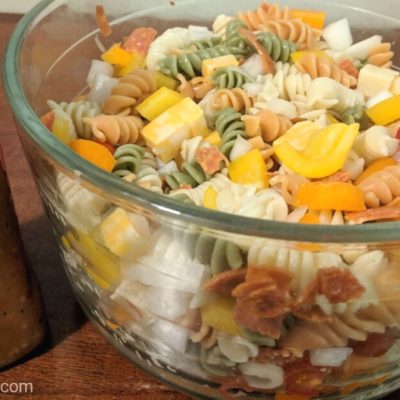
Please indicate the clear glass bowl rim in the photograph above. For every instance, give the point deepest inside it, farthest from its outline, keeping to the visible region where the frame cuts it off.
(369, 233)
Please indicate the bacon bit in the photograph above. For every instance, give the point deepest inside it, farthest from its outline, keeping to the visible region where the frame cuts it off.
(226, 281)
(348, 66)
(303, 378)
(48, 120)
(210, 159)
(376, 345)
(339, 285)
(341, 176)
(140, 40)
(373, 214)
(102, 22)
(279, 357)
(263, 300)
(306, 308)
(267, 62)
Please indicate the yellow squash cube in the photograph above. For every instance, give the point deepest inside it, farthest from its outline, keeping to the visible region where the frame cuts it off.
(209, 65)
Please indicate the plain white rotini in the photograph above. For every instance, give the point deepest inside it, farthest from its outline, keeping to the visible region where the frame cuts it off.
(375, 143)
(220, 23)
(302, 264)
(354, 165)
(148, 178)
(244, 200)
(174, 38)
(330, 94)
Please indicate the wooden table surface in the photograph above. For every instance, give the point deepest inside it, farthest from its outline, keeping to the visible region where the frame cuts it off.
(75, 362)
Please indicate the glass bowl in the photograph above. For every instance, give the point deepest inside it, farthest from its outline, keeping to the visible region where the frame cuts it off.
(138, 261)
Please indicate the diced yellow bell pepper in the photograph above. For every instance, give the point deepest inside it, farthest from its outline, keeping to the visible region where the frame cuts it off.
(209, 65)
(116, 55)
(315, 152)
(210, 198)
(120, 236)
(165, 81)
(158, 102)
(376, 166)
(249, 169)
(298, 55)
(213, 138)
(386, 111)
(309, 218)
(331, 119)
(341, 196)
(315, 19)
(219, 315)
(101, 265)
(138, 60)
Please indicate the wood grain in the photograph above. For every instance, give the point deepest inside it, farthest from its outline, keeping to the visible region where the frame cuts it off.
(75, 362)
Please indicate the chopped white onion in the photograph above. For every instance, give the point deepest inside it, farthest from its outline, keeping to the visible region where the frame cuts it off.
(362, 49)
(98, 67)
(101, 88)
(237, 349)
(241, 147)
(338, 35)
(199, 33)
(173, 335)
(381, 96)
(330, 357)
(168, 168)
(262, 376)
(252, 89)
(253, 66)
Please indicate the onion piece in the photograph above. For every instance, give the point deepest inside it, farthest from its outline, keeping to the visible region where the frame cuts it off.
(282, 107)
(101, 88)
(241, 147)
(379, 97)
(98, 67)
(237, 349)
(362, 49)
(338, 35)
(253, 66)
(168, 168)
(253, 89)
(330, 356)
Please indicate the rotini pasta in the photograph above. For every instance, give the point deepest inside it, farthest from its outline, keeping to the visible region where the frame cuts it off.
(196, 88)
(375, 143)
(174, 38)
(234, 41)
(381, 55)
(148, 178)
(77, 111)
(229, 78)
(294, 30)
(191, 174)
(279, 49)
(129, 91)
(128, 159)
(235, 98)
(302, 264)
(317, 66)
(190, 63)
(272, 125)
(230, 126)
(255, 20)
(115, 129)
(381, 187)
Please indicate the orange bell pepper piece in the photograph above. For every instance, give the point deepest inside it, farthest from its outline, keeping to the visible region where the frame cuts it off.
(309, 218)
(339, 196)
(316, 19)
(94, 152)
(376, 166)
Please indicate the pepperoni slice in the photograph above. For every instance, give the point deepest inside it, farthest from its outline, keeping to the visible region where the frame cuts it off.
(140, 40)
(226, 281)
(210, 159)
(348, 66)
